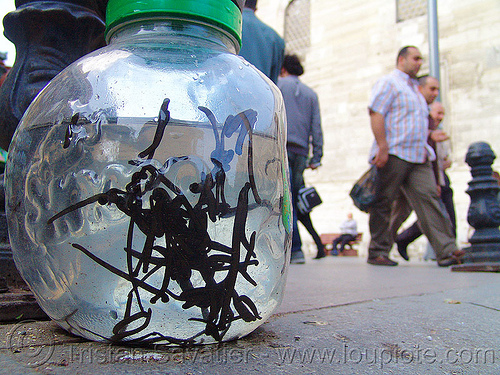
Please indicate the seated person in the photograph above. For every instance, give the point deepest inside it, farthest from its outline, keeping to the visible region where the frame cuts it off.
(349, 231)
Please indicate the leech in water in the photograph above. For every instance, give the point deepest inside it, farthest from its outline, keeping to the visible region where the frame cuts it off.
(187, 244)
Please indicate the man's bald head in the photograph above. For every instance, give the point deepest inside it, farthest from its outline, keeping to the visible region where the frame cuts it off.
(437, 112)
(429, 87)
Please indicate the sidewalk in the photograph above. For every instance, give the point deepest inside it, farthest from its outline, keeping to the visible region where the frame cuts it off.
(339, 315)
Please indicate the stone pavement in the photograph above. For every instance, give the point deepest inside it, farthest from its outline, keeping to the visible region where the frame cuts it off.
(339, 315)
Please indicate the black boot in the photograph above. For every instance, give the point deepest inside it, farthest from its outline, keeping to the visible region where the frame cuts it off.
(321, 251)
(407, 237)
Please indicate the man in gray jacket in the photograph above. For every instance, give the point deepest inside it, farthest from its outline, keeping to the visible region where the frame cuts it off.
(303, 129)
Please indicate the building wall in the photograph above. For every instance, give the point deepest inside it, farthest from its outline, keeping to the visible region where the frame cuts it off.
(355, 42)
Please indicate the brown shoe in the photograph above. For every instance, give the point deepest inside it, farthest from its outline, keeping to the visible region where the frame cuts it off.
(381, 260)
(453, 258)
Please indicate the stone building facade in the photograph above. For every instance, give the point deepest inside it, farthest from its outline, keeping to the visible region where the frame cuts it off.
(347, 45)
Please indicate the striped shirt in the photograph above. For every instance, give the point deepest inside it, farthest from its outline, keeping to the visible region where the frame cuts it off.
(405, 111)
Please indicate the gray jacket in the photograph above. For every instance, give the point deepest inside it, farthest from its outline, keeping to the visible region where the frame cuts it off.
(303, 116)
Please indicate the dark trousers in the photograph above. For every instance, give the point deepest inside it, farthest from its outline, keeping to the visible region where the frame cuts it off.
(417, 181)
(447, 198)
(413, 232)
(343, 239)
(298, 164)
(305, 219)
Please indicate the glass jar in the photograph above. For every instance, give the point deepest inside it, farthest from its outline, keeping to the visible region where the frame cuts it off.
(147, 186)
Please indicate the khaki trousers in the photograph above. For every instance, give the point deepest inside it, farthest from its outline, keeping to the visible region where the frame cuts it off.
(419, 186)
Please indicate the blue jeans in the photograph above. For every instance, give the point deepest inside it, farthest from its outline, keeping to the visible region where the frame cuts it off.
(297, 164)
(296, 241)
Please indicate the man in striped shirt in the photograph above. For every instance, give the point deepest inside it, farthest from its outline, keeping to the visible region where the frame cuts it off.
(399, 122)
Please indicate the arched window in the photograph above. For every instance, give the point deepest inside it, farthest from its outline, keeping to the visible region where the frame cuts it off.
(298, 27)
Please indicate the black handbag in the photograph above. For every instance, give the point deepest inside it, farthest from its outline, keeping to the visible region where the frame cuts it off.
(364, 191)
(307, 199)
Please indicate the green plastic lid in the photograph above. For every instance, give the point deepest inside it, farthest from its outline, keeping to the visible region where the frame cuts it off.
(223, 13)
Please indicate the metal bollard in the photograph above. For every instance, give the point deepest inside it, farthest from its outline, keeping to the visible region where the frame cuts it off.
(484, 212)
